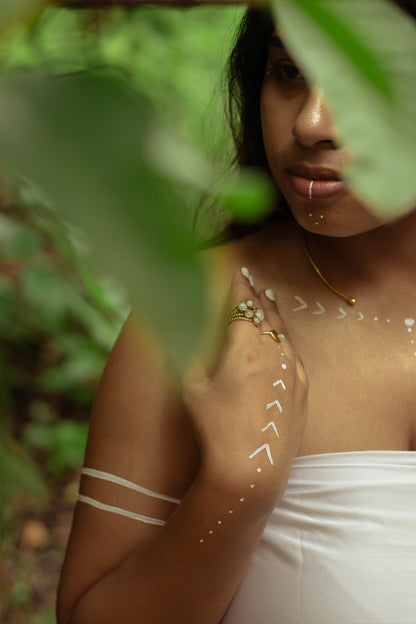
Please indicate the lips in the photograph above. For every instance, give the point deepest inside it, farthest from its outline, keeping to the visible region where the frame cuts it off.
(315, 182)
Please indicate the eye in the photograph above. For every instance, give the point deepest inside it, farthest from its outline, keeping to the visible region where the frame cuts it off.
(285, 72)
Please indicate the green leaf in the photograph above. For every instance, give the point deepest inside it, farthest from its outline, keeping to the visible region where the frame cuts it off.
(85, 140)
(363, 56)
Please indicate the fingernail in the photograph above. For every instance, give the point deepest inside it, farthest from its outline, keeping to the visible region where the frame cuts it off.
(246, 274)
(270, 294)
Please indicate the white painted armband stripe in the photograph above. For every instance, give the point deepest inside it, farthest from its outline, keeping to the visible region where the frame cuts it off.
(106, 476)
(118, 510)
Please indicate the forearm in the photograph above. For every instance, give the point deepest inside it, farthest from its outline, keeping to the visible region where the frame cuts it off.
(190, 571)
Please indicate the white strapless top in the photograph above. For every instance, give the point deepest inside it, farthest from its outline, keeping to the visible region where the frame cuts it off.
(339, 548)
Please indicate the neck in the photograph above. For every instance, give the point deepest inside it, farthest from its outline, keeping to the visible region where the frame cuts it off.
(381, 259)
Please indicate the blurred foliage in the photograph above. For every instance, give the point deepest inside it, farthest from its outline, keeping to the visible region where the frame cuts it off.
(59, 314)
(58, 319)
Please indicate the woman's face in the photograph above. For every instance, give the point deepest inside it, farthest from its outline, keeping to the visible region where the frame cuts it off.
(301, 145)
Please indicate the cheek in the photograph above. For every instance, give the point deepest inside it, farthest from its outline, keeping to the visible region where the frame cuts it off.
(277, 123)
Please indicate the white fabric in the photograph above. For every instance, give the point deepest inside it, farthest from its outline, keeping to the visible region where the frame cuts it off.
(340, 547)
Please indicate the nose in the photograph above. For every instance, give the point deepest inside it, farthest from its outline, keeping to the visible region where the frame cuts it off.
(314, 123)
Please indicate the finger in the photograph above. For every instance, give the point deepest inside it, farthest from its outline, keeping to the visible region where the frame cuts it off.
(273, 319)
(243, 295)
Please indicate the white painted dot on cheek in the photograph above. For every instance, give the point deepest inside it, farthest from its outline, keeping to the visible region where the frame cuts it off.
(242, 500)
(310, 214)
(284, 366)
(230, 511)
(376, 318)
(316, 223)
(211, 532)
(252, 485)
(219, 522)
(202, 541)
(322, 216)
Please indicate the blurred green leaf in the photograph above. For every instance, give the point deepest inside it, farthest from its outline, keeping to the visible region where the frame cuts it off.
(12, 10)
(84, 140)
(63, 442)
(363, 55)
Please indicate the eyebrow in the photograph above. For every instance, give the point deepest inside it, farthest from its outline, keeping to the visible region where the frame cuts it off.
(276, 42)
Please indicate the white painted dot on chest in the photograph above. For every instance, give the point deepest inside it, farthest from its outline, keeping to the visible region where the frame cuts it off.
(284, 366)
(409, 322)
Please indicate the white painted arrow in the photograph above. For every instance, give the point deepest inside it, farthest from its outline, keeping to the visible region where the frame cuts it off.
(273, 426)
(302, 306)
(360, 316)
(343, 314)
(264, 447)
(281, 383)
(321, 309)
(270, 405)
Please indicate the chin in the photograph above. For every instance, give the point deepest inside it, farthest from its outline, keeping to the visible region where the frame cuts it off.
(342, 217)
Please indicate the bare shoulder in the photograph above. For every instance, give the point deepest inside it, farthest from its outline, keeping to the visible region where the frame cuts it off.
(273, 254)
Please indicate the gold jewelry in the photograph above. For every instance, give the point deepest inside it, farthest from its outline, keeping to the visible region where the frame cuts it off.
(277, 336)
(245, 311)
(349, 300)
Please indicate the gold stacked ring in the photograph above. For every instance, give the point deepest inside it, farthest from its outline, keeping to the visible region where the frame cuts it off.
(277, 336)
(245, 311)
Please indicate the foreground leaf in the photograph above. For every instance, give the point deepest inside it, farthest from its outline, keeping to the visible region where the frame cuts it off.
(84, 139)
(363, 55)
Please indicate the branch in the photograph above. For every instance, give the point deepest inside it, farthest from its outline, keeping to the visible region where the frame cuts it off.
(102, 4)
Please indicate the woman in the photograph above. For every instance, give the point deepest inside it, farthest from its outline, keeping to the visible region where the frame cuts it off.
(245, 498)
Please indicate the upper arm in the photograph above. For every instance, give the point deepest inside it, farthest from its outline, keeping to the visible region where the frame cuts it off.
(139, 431)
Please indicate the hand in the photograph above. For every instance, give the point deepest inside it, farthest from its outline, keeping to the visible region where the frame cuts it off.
(249, 415)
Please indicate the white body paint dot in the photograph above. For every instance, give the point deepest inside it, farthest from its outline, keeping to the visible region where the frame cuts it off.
(376, 318)
(219, 522)
(409, 322)
(242, 500)
(409, 329)
(252, 485)
(202, 541)
(387, 320)
(284, 366)
(211, 532)
(258, 469)
(322, 216)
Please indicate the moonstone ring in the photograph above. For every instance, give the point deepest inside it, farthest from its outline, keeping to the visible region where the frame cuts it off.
(245, 311)
(277, 336)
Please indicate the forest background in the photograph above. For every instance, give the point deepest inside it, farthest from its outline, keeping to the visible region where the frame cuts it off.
(60, 314)
(111, 128)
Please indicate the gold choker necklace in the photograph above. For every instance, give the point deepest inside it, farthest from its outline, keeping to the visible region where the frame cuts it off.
(349, 300)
